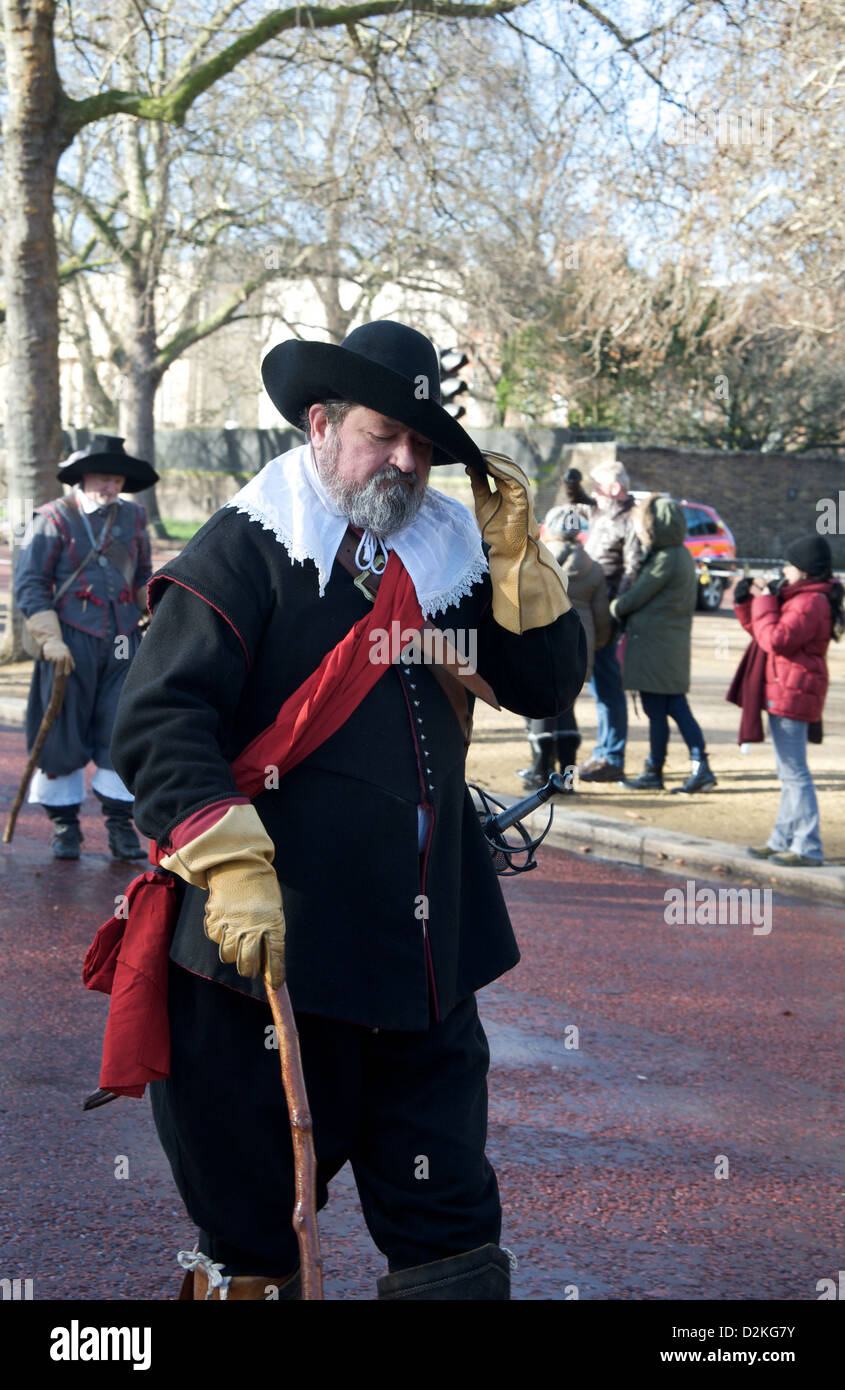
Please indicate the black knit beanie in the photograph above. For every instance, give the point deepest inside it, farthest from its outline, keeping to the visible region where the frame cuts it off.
(812, 555)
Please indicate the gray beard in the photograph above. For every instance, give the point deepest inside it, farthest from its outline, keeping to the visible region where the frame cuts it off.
(378, 506)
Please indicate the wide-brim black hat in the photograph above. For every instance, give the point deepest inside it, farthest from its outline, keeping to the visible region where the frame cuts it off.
(106, 454)
(385, 366)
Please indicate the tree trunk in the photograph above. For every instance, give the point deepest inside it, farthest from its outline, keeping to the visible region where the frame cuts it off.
(142, 378)
(100, 411)
(32, 146)
(137, 400)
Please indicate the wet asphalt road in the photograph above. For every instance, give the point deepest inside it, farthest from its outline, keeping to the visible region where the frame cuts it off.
(694, 1042)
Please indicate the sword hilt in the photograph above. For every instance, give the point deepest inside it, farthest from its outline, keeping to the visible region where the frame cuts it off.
(520, 809)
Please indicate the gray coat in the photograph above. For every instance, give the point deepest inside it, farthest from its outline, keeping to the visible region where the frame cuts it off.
(587, 590)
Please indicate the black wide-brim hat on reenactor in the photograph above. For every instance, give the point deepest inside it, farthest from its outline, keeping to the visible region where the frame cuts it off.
(385, 366)
(106, 454)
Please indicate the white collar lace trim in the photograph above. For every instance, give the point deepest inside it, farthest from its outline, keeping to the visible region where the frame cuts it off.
(441, 549)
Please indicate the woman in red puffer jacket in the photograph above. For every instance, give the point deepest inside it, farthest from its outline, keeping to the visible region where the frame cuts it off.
(794, 625)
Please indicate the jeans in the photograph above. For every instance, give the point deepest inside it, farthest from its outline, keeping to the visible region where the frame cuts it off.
(659, 709)
(797, 824)
(611, 707)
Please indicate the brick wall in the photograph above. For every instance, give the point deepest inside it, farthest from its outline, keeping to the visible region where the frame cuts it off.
(766, 499)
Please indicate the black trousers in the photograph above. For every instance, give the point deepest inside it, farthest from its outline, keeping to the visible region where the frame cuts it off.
(553, 741)
(407, 1109)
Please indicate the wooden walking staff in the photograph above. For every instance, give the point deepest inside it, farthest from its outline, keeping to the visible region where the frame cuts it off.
(50, 714)
(304, 1160)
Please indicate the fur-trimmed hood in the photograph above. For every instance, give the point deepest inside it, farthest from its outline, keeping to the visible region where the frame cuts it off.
(663, 522)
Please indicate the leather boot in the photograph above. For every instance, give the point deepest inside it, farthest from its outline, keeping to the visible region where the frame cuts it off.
(204, 1281)
(482, 1275)
(542, 763)
(700, 778)
(566, 752)
(123, 842)
(649, 780)
(67, 832)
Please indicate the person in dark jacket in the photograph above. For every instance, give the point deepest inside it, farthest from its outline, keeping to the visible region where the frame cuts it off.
(80, 580)
(554, 742)
(361, 875)
(793, 622)
(657, 612)
(613, 542)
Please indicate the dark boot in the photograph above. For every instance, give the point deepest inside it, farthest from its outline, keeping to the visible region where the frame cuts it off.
(203, 1280)
(649, 780)
(566, 752)
(545, 761)
(242, 1287)
(67, 832)
(123, 842)
(534, 776)
(483, 1274)
(700, 778)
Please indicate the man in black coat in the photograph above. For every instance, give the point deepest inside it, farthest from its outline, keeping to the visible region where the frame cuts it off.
(361, 874)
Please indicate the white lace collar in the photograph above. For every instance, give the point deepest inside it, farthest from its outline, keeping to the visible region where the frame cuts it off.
(441, 549)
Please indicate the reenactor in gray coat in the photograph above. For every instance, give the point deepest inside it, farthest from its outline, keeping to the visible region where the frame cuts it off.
(80, 581)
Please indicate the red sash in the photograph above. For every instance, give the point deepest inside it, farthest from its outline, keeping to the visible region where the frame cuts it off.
(128, 957)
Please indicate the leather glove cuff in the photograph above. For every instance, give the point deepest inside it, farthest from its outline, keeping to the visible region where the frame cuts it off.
(233, 862)
(238, 837)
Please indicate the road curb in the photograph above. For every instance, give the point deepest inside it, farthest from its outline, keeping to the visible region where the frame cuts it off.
(675, 852)
(13, 710)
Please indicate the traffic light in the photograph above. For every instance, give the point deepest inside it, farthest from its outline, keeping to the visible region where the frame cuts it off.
(452, 361)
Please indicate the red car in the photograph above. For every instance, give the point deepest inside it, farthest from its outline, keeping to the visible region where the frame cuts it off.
(707, 538)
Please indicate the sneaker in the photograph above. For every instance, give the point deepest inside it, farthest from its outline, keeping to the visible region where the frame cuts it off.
(601, 772)
(762, 853)
(796, 861)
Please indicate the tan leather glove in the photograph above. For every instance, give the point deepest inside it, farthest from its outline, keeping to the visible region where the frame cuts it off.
(529, 588)
(47, 631)
(233, 861)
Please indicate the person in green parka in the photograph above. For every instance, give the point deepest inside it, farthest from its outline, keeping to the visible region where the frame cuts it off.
(657, 614)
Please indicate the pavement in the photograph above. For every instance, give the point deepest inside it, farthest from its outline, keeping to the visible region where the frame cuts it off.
(710, 831)
(665, 1099)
